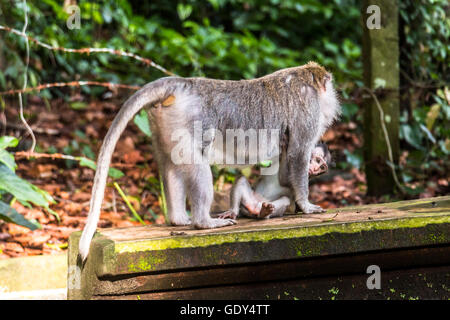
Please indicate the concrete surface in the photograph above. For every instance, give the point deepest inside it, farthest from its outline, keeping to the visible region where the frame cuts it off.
(36, 277)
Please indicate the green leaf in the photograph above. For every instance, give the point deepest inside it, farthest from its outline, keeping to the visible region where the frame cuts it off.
(349, 110)
(184, 11)
(85, 162)
(141, 120)
(10, 215)
(113, 173)
(428, 134)
(87, 151)
(78, 105)
(412, 135)
(432, 115)
(22, 189)
(7, 159)
(2, 81)
(8, 142)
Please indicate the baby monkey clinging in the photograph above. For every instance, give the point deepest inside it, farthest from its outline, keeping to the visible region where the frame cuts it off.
(269, 199)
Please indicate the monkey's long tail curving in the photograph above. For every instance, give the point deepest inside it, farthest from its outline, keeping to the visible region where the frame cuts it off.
(149, 94)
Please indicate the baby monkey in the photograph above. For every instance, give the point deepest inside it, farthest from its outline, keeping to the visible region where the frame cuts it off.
(269, 199)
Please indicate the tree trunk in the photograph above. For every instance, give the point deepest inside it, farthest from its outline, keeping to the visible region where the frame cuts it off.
(381, 73)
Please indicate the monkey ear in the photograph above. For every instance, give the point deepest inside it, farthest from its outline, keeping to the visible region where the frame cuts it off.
(327, 77)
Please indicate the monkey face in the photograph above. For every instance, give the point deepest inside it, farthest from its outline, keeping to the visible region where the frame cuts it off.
(318, 165)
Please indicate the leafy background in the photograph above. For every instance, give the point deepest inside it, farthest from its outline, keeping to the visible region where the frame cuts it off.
(228, 39)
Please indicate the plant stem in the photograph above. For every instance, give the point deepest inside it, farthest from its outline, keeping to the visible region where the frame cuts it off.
(124, 197)
(163, 199)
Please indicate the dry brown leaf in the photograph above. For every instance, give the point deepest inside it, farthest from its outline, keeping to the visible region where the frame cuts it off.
(13, 246)
(133, 157)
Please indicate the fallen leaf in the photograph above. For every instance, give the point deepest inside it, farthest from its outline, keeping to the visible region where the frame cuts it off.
(13, 246)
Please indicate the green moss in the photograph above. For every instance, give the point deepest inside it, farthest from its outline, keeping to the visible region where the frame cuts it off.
(439, 238)
(334, 291)
(281, 233)
(307, 252)
(145, 264)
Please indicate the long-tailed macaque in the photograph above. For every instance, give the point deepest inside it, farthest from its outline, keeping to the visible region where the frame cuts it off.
(269, 199)
(299, 102)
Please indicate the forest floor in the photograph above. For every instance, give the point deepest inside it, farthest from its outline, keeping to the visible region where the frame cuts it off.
(77, 128)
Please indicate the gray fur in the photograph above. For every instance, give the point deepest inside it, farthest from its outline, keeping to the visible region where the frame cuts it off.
(268, 192)
(290, 100)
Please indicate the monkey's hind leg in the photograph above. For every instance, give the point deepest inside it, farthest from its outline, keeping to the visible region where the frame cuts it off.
(243, 200)
(175, 193)
(275, 208)
(198, 179)
(241, 193)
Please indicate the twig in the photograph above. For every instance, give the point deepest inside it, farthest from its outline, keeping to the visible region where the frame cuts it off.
(70, 84)
(386, 137)
(116, 52)
(22, 118)
(27, 154)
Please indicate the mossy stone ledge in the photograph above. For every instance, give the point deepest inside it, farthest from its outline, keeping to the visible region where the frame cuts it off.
(296, 256)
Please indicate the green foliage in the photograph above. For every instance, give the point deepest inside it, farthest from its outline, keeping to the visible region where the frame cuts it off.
(5, 157)
(13, 185)
(112, 172)
(220, 39)
(228, 39)
(234, 39)
(10, 215)
(425, 69)
(426, 30)
(141, 121)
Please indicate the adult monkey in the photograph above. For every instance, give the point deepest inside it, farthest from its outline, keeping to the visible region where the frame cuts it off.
(300, 102)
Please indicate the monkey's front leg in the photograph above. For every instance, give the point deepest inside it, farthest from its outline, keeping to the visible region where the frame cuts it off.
(298, 175)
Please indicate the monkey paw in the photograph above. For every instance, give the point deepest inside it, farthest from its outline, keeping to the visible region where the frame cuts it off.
(180, 221)
(311, 208)
(215, 223)
(267, 208)
(229, 214)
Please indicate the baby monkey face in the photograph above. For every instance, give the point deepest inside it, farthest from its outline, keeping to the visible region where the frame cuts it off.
(318, 163)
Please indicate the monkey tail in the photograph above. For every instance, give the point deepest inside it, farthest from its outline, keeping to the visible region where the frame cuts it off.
(149, 94)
